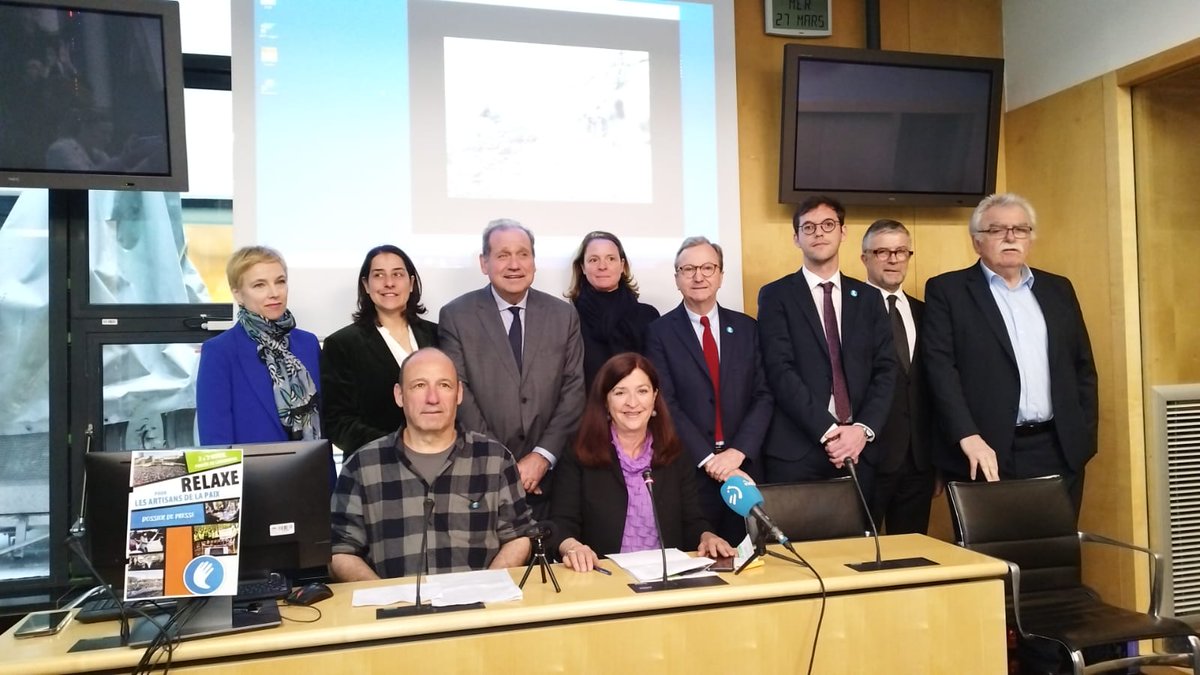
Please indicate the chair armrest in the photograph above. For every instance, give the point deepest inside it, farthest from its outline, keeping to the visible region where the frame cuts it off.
(1014, 576)
(1156, 566)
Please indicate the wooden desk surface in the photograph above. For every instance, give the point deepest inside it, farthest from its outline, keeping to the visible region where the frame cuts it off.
(591, 596)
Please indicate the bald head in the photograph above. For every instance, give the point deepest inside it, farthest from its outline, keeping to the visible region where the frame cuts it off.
(427, 355)
(429, 391)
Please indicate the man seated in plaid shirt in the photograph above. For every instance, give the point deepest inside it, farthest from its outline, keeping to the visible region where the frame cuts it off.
(465, 486)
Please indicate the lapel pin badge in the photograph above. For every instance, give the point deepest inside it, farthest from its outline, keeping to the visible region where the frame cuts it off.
(729, 329)
(853, 294)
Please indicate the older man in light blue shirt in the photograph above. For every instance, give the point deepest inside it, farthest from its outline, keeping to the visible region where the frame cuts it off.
(1008, 359)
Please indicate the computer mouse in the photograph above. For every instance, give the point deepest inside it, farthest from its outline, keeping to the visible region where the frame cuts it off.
(309, 595)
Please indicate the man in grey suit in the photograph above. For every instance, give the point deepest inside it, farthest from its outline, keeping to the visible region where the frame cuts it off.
(520, 357)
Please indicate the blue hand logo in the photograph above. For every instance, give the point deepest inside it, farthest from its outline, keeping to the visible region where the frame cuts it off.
(203, 575)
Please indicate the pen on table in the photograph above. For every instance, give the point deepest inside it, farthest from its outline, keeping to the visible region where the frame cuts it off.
(601, 570)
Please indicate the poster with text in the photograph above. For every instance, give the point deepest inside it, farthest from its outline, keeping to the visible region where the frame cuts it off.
(184, 523)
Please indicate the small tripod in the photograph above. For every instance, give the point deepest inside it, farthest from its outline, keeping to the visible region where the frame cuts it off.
(760, 550)
(539, 558)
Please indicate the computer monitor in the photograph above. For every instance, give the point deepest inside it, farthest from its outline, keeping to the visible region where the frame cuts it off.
(284, 511)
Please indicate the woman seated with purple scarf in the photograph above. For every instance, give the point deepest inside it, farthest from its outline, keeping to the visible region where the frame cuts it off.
(600, 501)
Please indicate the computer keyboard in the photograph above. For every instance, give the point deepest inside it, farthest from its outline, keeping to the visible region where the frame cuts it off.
(103, 607)
(272, 587)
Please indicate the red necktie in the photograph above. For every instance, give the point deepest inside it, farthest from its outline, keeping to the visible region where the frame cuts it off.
(714, 371)
(841, 397)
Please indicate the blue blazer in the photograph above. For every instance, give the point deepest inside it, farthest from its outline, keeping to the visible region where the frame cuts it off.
(796, 359)
(234, 400)
(746, 402)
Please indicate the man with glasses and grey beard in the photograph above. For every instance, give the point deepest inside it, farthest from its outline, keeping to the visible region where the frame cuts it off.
(904, 478)
(711, 374)
(827, 349)
(1008, 359)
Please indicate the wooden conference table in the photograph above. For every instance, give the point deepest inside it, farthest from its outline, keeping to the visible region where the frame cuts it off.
(947, 618)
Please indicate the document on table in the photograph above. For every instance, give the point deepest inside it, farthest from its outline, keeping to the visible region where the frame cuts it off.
(458, 588)
(648, 565)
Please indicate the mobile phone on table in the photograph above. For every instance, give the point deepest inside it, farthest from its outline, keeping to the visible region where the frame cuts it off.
(724, 564)
(43, 623)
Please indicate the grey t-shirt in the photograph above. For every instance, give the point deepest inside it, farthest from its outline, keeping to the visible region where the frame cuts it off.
(426, 465)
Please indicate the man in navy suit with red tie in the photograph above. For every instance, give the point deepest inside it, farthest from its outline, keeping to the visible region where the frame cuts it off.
(828, 352)
(711, 375)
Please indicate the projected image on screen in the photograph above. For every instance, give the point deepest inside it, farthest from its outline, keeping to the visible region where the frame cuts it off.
(574, 127)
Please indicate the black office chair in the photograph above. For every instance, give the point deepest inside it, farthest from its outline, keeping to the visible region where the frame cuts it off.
(1031, 525)
(813, 510)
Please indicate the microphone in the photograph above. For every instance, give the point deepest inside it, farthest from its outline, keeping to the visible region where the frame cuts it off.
(879, 563)
(648, 479)
(745, 499)
(424, 570)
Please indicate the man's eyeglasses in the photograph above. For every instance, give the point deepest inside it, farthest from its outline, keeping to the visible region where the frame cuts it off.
(901, 254)
(809, 227)
(706, 270)
(1002, 231)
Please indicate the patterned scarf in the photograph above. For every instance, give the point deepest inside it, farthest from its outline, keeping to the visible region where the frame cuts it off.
(295, 392)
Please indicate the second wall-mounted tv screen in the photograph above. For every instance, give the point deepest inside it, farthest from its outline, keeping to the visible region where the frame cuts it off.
(879, 127)
(91, 95)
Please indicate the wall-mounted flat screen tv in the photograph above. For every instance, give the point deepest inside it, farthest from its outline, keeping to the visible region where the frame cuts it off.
(92, 95)
(882, 127)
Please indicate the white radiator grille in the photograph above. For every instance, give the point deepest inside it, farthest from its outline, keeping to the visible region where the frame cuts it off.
(1175, 457)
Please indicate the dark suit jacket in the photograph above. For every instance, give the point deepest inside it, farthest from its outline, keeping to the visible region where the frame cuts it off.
(539, 405)
(972, 368)
(234, 399)
(358, 377)
(590, 503)
(684, 380)
(908, 422)
(796, 359)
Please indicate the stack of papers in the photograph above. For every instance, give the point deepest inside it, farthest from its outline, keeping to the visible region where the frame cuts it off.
(443, 590)
(648, 565)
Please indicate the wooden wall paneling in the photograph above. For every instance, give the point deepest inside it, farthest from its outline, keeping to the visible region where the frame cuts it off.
(1063, 153)
(1166, 114)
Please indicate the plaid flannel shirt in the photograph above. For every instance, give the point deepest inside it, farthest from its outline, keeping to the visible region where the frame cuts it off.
(378, 507)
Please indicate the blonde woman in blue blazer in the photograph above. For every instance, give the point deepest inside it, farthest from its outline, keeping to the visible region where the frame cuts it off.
(258, 381)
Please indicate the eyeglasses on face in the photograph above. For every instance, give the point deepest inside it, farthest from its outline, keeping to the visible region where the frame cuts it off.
(809, 227)
(1002, 231)
(706, 270)
(901, 254)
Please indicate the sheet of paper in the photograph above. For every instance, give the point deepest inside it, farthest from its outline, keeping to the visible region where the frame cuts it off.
(458, 588)
(745, 550)
(648, 566)
(390, 595)
(464, 588)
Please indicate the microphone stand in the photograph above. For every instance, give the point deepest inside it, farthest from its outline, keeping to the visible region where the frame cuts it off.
(666, 583)
(879, 563)
(418, 608)
(648, 478)
(75, 544)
